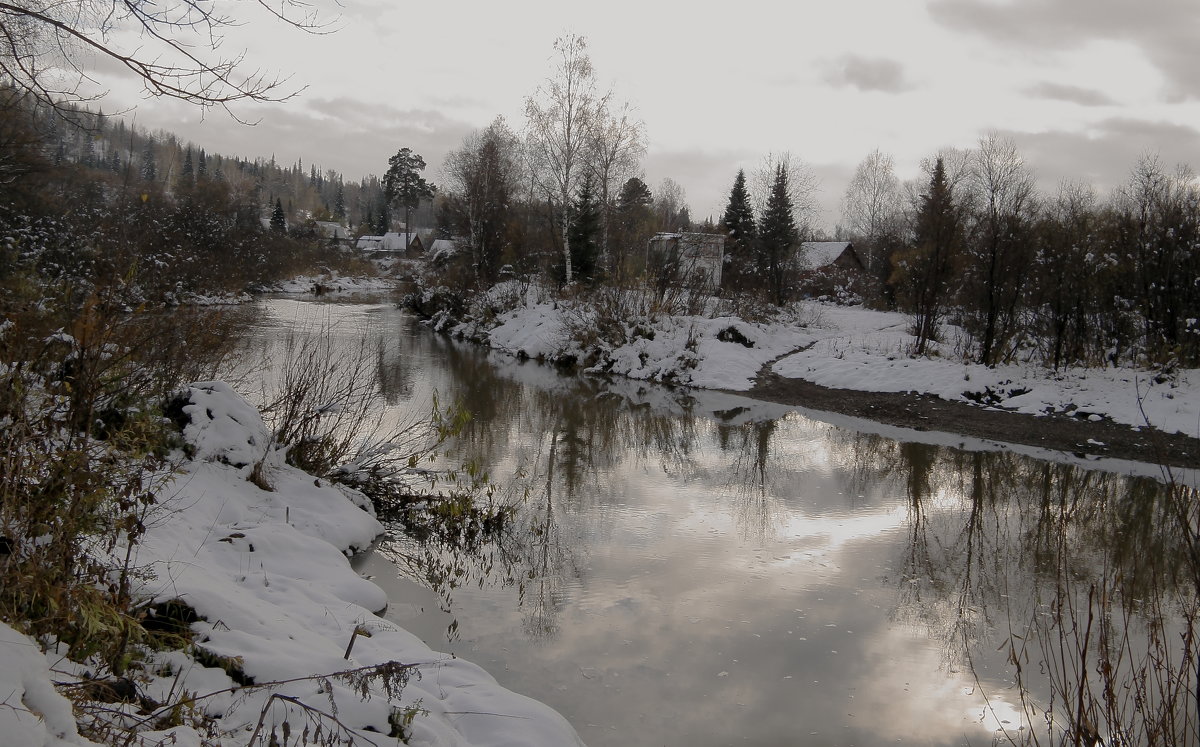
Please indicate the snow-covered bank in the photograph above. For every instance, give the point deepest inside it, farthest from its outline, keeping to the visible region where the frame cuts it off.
(840, 347)
(332, 282)
(266, 572)
(865, 350)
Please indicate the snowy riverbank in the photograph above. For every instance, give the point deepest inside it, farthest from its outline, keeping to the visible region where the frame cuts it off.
(266, 572)
(841, 347)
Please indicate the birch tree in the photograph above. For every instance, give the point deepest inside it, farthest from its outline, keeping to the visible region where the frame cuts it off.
(561, 118)
(871, 207)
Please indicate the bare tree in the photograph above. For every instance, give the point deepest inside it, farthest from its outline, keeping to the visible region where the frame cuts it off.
(999, 250)
(483, 175)
(871, 206)
(618, 143)
(174, 48)
(561, 119)
(670, 201)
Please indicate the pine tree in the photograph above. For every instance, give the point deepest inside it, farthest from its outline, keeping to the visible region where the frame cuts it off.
(739, 222)
(403, 183)
(278, 220)
(777, 239)
(202, 165)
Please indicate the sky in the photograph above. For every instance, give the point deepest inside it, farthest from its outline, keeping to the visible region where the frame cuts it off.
(1083, 87)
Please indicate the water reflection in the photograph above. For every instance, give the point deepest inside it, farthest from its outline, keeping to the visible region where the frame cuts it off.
(702, 569)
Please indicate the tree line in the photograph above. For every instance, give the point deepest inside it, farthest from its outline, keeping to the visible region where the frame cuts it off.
(88, 204)
(1065, 279)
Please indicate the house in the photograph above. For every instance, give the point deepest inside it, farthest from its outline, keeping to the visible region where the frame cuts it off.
(335, 232)
(831, 269)
(688, 257)
(391, 243)
(820, 255)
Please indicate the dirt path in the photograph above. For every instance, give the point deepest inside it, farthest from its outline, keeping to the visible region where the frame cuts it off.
(926, 412)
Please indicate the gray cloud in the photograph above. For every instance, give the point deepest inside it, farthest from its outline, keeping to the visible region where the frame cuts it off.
(1070, 94)
(1164, 30)
(867, 74)
(1105, 156)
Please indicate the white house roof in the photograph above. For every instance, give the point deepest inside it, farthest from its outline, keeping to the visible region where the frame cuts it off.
(816, 254)
(332, 230)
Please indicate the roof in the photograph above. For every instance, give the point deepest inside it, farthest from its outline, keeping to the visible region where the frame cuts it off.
(391, 241)
(817, 254)
(332, 230)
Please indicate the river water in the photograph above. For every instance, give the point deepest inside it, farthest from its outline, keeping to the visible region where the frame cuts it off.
(690, 568)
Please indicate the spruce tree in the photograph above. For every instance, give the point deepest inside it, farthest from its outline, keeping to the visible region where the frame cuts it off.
(777, 239)
(739, 222)
(149, 170)
(202, 165)
(278, 220)
(924, 272)
(188, 174)
(339, 204)
(584, 231)
(384, 223)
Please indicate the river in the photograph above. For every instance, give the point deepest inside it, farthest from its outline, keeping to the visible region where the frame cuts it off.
(691, 568)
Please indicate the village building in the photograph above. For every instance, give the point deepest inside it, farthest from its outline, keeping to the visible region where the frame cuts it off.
(391, 242)
(336, 233)
(830, 269)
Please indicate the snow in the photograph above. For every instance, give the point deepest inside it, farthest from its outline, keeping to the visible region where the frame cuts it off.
(267, 572)
(852, 348)
(32, 713)
(866, 350)
(332, 282)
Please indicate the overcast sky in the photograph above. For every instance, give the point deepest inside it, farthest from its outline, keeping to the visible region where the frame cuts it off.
(1082, 86)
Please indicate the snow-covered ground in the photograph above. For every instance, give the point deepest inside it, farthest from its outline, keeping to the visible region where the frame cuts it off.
(332, 282)
(267, 572)
(855, 349)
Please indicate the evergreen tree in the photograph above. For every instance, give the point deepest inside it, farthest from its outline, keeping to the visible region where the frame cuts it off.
(634, 192)
(278, 220)
(149, 170)
(339, 204)
(385, 219)
(683, 219)
(777, 239)
(202, 165)
(114, 160)
(923, 272)
(738, 221)
(404, 184)
(633, 226)
(189, 173)
(584, 233)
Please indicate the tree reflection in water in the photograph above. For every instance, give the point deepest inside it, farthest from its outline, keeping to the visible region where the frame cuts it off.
(1069, 592)
(1081, 584)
